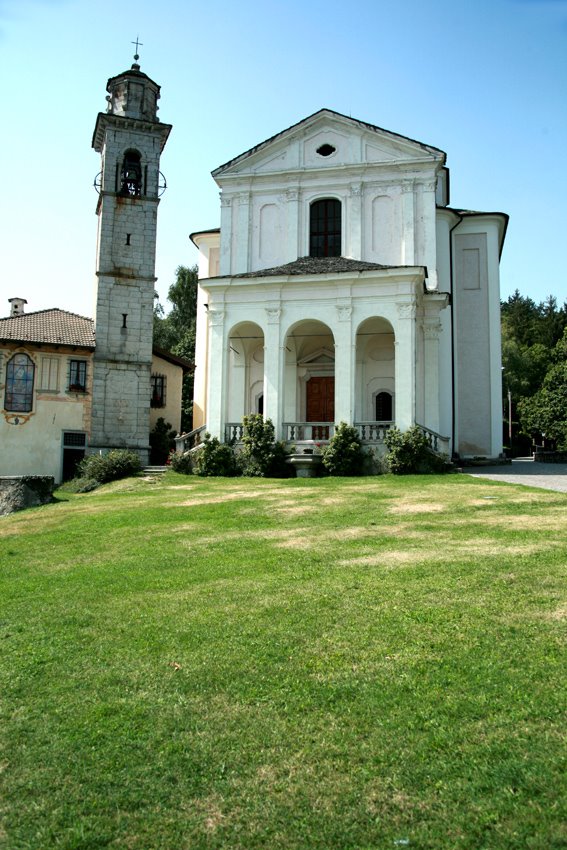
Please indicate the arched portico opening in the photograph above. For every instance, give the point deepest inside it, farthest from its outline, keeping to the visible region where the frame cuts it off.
(375, 376)
(309, 381)
(245, 375)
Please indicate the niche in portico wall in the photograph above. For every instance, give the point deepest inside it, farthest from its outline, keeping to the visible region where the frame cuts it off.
(309, 391)
(375, 370)
(245, 365)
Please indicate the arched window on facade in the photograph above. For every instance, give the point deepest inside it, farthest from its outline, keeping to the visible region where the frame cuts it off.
(131, 175)
(383, 407)
(19, 384)
(325, 228)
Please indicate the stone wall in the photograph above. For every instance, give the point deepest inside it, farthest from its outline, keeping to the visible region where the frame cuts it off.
(25, 491)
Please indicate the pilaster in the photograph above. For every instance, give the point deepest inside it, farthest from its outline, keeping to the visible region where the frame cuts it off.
(345, 365)
(405, 365)
(273, 369)
(217, 372)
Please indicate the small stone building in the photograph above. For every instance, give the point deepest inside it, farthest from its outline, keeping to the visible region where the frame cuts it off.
(46, 398)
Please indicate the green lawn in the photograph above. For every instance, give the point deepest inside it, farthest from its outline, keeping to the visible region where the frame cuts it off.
(355, 663)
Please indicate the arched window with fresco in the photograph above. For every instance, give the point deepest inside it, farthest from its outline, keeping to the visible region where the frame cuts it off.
(20, 373)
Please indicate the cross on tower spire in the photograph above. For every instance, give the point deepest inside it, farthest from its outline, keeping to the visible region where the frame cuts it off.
(138, 43)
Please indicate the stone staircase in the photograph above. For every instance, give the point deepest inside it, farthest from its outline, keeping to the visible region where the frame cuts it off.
(154, 470)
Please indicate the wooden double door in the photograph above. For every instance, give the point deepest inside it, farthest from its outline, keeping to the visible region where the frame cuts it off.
(320, 400)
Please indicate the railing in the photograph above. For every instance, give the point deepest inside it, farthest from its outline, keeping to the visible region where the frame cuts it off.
(372, 432)
(300, 431)
(186, 442)
(233, 432)
(437, 442)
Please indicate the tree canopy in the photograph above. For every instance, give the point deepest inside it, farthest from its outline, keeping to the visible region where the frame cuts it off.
(534, 353)
(176, 331)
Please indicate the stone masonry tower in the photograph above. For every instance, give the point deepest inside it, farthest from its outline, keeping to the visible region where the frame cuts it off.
(130, 139)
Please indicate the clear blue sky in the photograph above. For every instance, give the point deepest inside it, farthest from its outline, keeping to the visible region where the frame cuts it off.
(484, 80)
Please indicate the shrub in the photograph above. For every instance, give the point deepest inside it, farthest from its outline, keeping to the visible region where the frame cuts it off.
(261, 455)
(410, 452)
(118, 463)
(344, 454)
(215, 459)
(182, 462)
(162, 441)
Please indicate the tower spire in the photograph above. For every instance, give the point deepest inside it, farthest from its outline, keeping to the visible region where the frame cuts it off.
(138, 44)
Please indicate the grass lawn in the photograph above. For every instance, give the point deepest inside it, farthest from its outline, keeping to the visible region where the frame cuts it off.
(354, 663)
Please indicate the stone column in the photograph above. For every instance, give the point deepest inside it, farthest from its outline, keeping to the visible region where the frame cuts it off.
(273, 370)
(431, 334)
(405, 365)
(345, 365)
(217, 374)
(426, 235)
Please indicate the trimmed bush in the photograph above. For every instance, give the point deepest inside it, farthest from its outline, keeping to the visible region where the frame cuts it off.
(409, 452)
(344, 454)
(261, 456)
(215, 459)
(181, 462)
(119, 463)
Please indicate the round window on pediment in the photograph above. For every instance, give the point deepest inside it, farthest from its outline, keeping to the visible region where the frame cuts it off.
(326, 150)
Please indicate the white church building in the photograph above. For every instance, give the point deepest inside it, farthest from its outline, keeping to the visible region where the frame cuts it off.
(341, 286)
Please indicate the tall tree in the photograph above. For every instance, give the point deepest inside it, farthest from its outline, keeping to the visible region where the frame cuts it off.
(176, 331)
(545, 413)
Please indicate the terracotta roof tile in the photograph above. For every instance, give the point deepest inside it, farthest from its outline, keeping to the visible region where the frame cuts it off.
(50, 327)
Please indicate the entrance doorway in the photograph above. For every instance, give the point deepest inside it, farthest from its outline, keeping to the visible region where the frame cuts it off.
(74, 444)
(320, 404)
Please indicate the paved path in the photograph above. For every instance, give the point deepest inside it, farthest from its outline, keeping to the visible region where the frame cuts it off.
(523, 470)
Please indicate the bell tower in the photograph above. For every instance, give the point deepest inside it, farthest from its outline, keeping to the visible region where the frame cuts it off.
(130, 139)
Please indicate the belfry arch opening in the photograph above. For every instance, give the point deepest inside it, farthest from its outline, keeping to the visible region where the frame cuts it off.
(131, 175)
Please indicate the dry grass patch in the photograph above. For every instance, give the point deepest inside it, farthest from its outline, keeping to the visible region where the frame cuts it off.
(404, 506)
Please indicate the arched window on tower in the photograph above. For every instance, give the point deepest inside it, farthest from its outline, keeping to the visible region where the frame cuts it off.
(325, 228)
(131, 175)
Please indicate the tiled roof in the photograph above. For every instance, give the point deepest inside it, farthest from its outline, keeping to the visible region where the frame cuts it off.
(50, 327)
(317, 265)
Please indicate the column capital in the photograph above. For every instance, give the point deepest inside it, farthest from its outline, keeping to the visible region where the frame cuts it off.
(344, 312)
(432, 329)
(407, 310)
(216, 318)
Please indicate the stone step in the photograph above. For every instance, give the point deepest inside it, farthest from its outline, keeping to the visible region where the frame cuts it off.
(154, 470)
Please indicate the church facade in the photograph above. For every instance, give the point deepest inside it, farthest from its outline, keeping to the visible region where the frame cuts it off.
(342, 286)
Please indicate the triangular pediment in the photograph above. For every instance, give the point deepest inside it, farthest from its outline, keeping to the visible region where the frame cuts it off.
(327, 139)
(323, 356)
